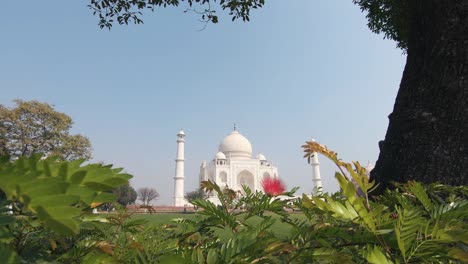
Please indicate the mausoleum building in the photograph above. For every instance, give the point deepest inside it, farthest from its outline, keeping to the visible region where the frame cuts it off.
(234, 166)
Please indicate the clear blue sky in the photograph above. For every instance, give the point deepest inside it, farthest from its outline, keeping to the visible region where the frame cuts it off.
(299, 70)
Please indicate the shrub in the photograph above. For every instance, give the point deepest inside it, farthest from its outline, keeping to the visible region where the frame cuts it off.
(51, 221)
(410, 224)
(49, 200)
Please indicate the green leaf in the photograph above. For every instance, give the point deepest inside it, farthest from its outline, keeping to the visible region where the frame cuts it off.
(124, 175)
(331, 255)
(6, 219)
(95, 218)
(78, 177)
(47, 170)
(406, 229)
(45, 186)
(97, 186)
(307, 202)
(172, 259)
(86, 195)
(383, 231)
(98, 258)
(346, 186)
(7, 255)
(454, 236)
(60, 219)
(11, 178)
(459, 254)
(212, 257)
(33, 161)
(115, 182)
(418, 190)
(104, 198)
(55, 200)
(376, 255)
(200, 257)
(63, 171)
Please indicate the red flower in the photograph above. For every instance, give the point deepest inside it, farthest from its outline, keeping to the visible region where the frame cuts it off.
(273, 186)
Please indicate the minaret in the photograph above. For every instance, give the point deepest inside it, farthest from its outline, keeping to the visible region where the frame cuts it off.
(317, 180)
(179, 171)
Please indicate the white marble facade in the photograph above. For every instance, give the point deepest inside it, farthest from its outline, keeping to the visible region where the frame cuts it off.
(233, 166)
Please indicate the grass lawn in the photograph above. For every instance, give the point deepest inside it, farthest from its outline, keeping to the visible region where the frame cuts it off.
(157, 219)
(280, 229)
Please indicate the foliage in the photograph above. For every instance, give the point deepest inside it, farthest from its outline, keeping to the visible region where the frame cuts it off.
(197, 241)
(125, 195)
(34, 127)
(106, 239)
(390, 17)
(146, 195)
(405, 225)
(412, 223)
(46, 202)
(126, 11)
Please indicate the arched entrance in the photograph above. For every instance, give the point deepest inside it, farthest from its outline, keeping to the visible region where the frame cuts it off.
(223, 177)
(246, 178)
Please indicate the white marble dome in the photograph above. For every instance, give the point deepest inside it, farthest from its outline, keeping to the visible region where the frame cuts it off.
(261, 157)
(220, 156)
(236, 145)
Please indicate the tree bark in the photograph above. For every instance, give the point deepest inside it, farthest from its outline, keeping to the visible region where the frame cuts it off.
(427, 136)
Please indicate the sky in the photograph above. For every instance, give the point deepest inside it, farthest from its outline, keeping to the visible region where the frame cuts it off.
(298, 70)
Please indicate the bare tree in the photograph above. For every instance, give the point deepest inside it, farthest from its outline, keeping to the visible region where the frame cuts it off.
(146, 195)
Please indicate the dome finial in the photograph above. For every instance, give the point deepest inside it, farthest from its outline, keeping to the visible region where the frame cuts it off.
(235, 128)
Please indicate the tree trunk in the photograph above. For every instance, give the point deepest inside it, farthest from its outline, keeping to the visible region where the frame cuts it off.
(427, 136)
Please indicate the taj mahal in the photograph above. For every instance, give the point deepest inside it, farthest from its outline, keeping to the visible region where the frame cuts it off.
(233, 166)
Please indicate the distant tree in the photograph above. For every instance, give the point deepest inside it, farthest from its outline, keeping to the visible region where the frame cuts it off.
(194, 195)
(146, 195)
(35, 127)
(125, 195)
